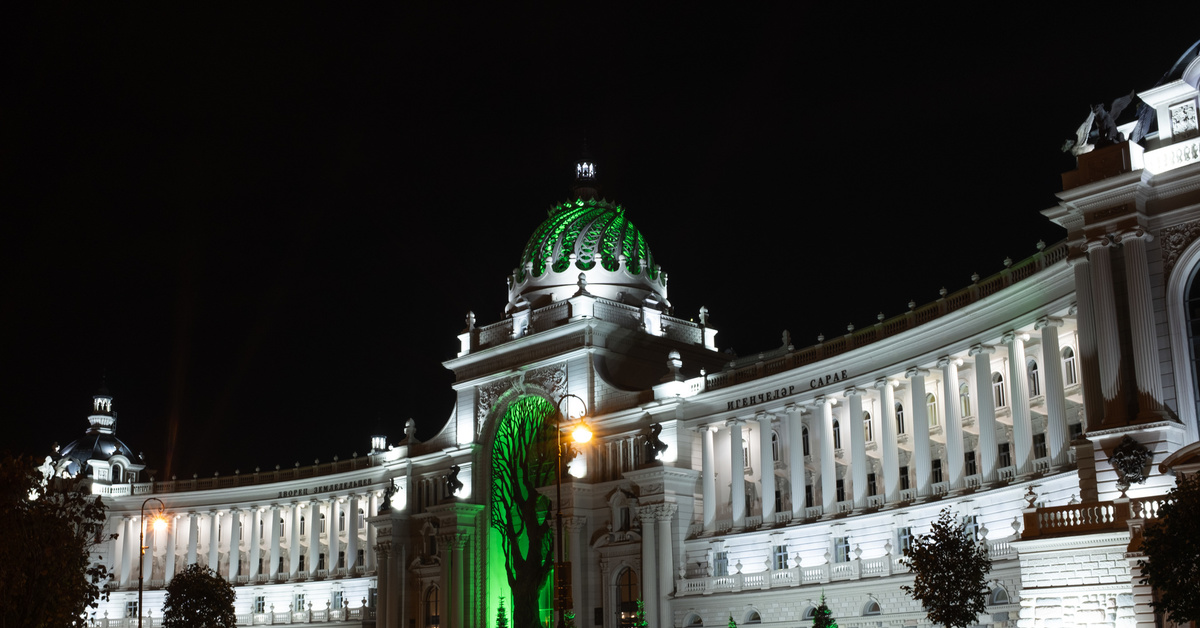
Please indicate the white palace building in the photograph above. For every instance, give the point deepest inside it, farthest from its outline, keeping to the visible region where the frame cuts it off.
(1049, 406)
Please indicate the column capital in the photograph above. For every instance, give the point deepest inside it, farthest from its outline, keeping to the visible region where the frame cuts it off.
(884, 382)
(822, 400)
(193, 513)
(1013, 335)
(853, 392)
(763, 416)
(703, 428)
(981, 349)
(664, 511)
(1048, 321)
(648, 513)
(1102, 242)
(915, 372)
(946, 360)
(738, 421)
(794, 407)
(1136, 233)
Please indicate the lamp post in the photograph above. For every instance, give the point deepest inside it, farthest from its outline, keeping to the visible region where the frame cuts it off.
(160, 522)
(581, 434)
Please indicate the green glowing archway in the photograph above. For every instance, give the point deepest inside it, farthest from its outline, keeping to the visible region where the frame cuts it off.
(520, 538)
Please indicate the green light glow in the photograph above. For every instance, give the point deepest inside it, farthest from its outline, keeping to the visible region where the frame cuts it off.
(591, 230)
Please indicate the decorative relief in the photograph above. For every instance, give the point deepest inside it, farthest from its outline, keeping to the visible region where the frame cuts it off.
(1175, 240)
(1129, 459)
(551, 379)
(1183, 119)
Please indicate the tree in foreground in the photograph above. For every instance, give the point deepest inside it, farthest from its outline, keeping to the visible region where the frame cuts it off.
(823, 617)
(950, 568)
(1171, 544)
(639, 618)
(198, 597)
(47, 577)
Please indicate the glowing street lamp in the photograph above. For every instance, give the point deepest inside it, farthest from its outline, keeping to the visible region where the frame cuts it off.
(581, 434)
(159, 523)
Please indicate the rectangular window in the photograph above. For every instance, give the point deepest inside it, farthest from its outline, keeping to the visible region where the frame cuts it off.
(841, 549)
(971, 527)
(320, 561)
(131, 609)
(904, 478)
(841, 490)
(1005, 456)
(298, 604)
(260, 604)
(937, 470)
(970, 462)
(746, 455)
(372, 597)
(778, 501)
(872, 489)
(337, 600)
(359, 560)
(300, 566)
(808, 498)
(721, 564)
(1074, 431)
(1039, 445)
(904, 538)
(279, 567)
(781, 557)
(341, 560)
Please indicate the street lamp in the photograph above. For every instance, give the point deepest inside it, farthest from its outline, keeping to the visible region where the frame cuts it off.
(581, 434)
(160, 522)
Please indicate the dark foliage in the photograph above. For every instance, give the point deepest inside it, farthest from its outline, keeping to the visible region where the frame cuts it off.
(47, 577)
(198, 597)
(1172, 547)
(950, 568)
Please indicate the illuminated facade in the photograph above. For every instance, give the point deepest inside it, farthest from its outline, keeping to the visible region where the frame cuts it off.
(1031, 403)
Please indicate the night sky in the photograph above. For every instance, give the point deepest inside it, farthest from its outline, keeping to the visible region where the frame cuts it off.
(264, 228)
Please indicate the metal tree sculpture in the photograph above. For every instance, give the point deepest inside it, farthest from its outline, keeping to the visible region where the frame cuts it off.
(522, 460)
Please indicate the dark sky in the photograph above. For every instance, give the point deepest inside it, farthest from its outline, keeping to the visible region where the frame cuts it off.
(265, 227)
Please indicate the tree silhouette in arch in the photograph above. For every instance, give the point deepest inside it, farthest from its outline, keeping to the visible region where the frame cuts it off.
(523, 458)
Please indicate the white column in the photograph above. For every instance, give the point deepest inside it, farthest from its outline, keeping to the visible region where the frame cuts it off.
(172, 539)
(352, 535)
(1019, 401)
(891, 458)
(335, 540)
(147, 572)
(294, 543)
(649, 514)
(214, 539)
(795, 445)
(369, 555)
(828, 467)
(666, 583)
(193, 536)
(1087, 362)
(254, 552)
(1108, 343)
(955, 451)
(920, 414)
(985, 409)
(314, 536)
(1056, 401)
(1141, 325)
(127, 551)
(276, 533)
(737, 464)
(858, 446)
(766, 467)
(708, 471)
(235, 544)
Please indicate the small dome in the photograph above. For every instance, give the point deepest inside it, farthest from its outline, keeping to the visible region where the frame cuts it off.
(592, 236)
(94, 446)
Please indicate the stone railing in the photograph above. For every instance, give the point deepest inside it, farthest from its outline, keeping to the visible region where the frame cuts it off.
(783, 359)
(1076, 519)
(237, 479)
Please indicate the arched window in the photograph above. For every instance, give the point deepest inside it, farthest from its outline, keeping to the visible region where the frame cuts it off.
(362, 519)
(281, 530)
(301, 526)
(342, 521)
(868, 429)
(753, 618)
(804, 437)
(931, 409)
(872, 608)
(998, 390)
(999, 596)
(774, 447)
(899, 418)
(628, 594)
(1031, 371)
(322, 524)
(837, 435)
(693, 621)
(431, 607)
(964, 399)
(810, 612)
(1069, 373)
(118, 476)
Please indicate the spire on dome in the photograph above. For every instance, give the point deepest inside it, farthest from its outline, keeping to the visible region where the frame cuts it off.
(103, 416)
(586, 185)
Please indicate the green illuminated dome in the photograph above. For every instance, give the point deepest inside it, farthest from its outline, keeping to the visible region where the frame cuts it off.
(591, 237)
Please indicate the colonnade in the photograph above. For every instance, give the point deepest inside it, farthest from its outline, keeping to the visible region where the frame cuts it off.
(890, 484)
(264, 534)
